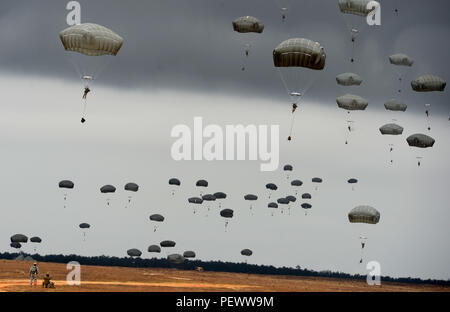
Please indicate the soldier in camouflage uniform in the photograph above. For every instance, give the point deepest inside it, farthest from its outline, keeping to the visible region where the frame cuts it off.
(34, 271)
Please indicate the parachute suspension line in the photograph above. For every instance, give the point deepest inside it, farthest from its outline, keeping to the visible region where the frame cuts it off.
(291, 128)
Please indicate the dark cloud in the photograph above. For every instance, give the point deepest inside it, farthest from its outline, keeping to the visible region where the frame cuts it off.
(191, 44)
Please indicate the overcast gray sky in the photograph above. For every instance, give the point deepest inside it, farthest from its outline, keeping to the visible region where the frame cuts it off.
(181, 59)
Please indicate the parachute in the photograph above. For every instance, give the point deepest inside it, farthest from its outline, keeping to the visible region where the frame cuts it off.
(84, 227)
(306, 196)
(134, 253)
(174, 182)
(167, 244)
(395, 105)
(189, 254)
(352, 181)
(351, 102)
(420, 140)
(391, 129)
(297, 60)
(291, 198)
(175, 259)
(156, 218)
(363, 214)
(306, 207)
(227, 214)
(67, 185)
(355, 13)
(251, 197)
(287, 169)
(209, 198)
(271, 187)
(15, 245)
(107, 189)
(195, 201)
(201, 183)
(19, 238)
(35, 239)
(246, 252)
(428, 83)
(349, 79)
(247, 26)
(154, 248)
(401, 61)
(296, 183)
(220, 195)
(90, 46)
(131, 187)
(316, 180)
(283, 201)
(272, 205)
(284, 6)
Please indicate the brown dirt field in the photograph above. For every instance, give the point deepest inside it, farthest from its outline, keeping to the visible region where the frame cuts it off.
(14, 278)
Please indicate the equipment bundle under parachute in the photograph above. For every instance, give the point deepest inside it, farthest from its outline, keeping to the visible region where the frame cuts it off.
(298, 61)
(89, 46)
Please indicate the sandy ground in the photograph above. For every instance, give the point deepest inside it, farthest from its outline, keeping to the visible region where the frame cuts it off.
(14, 277)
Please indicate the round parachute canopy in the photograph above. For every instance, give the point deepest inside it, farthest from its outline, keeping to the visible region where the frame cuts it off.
(167, 243)
(355, 7)
(66, 184)
(352, 102)
(154, 248)
(283, 201)
(195, 200)
(428, 83)
(271, 186)
(395, 105)
(291, 199)
(107, 189)
(156, 218)
(19, 238)
(220, 195)
(391, 129)
(189, 254)
(175, 258)
(85, 226)
(296, 183)
(306, 206)
(352, 181)
(306, 196)
(250, 197)
(35, 239)
(227, 213)
(132, 187)
(364, 214)
(401, 59)
(288, 168)
(174, 181)
(248, 24)
(272, 205)
(202, 183)
(299, 52)
(15, 245)
(316, 180)
(134, 252)
(420, 140)
(348, 79)
(209, 197)
(91, 39)
(246, 252)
